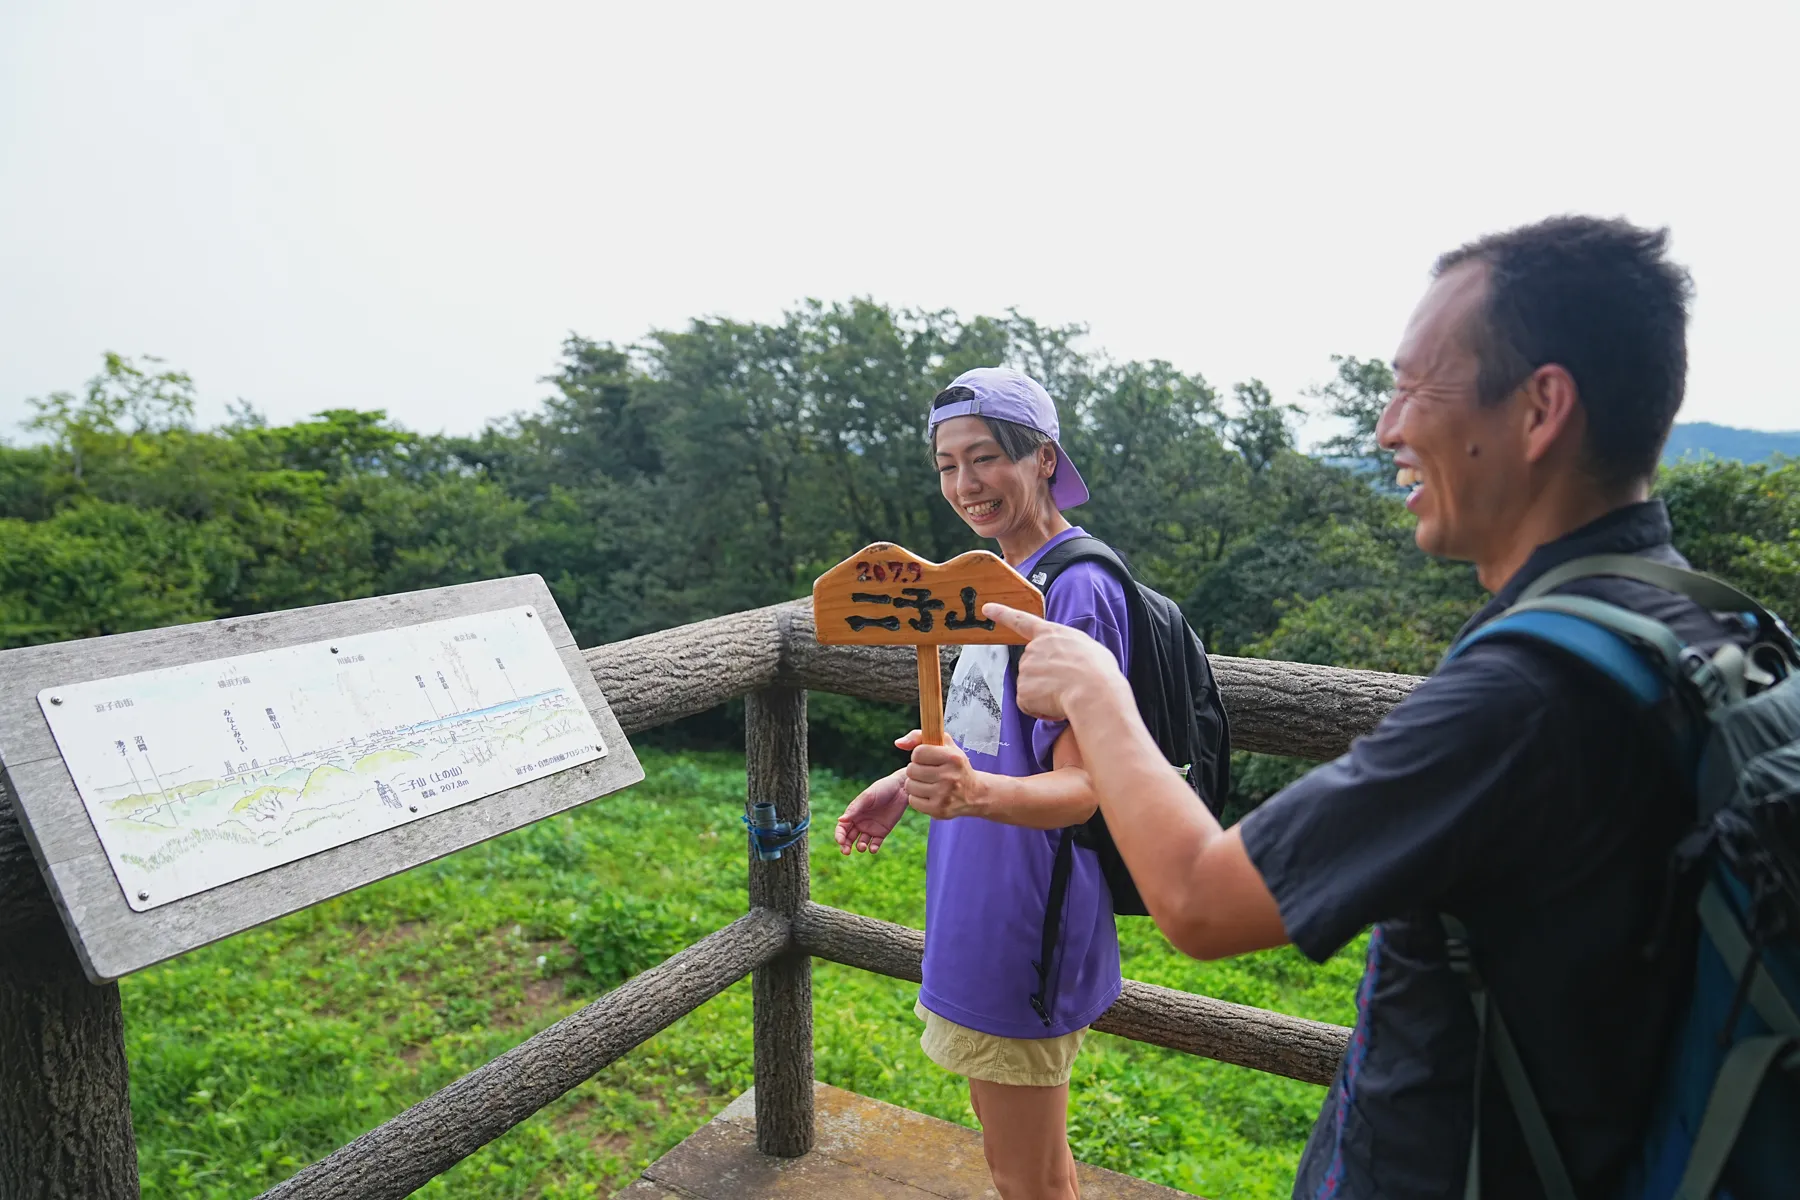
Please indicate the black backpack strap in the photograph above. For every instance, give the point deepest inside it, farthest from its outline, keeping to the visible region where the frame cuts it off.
(1043, 574)
(1064, 554)
(1042, 1001)
(1492, 1034)
(1060, 558)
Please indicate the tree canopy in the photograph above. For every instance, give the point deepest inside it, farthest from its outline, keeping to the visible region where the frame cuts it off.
(725, 464)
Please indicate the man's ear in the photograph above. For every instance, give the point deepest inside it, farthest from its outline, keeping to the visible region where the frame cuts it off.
(1551, 411)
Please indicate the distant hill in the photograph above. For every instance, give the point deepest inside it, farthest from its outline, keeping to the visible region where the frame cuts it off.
(1694, 438)
(1746, 445)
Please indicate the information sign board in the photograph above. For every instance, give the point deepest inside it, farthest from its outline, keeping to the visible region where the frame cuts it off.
(198, 775)
(180, 785)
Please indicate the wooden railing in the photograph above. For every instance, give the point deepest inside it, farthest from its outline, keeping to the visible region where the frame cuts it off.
(65, 1122)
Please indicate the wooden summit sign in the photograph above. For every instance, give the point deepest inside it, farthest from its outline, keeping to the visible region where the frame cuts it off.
(886, 596)
(180, 785)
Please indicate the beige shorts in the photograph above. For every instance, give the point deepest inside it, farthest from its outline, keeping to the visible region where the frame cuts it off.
(1022, 1062)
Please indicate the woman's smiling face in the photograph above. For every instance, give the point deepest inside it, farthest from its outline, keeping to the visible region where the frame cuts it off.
(998, 498)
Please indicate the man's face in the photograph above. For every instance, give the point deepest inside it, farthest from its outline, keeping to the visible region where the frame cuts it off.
(1466, 461)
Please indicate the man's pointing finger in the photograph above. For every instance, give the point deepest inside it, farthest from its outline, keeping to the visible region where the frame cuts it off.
(1019, 622)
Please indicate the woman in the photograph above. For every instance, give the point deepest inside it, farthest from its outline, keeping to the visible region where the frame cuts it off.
(999, 796)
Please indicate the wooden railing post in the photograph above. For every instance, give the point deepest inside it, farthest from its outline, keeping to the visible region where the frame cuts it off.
(65, 1111)
(775, 753)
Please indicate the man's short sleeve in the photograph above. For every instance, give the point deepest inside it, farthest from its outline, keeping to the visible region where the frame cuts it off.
(1086, 596)
(1414, 808)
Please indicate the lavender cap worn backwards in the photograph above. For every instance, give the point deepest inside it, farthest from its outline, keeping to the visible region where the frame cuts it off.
(1010, 395)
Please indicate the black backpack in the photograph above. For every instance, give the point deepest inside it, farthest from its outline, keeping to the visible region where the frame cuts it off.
(1180, 705)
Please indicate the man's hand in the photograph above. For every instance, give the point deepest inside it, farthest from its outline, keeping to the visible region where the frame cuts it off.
(940, 782)
(1059, 665)
(873, 814)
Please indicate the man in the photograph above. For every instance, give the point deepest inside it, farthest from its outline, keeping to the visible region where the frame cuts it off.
(1535, 385)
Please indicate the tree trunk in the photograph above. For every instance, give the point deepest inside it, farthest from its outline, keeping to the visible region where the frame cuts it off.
(65, 1111)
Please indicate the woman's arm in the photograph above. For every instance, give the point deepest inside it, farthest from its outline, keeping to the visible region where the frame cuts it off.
(873, 814)
(940, 783)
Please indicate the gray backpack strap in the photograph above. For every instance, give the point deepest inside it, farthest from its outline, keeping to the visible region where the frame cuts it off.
(1727, 937)
(1491, 1034)
(1709, 593)
(1739, 1081)
(1741, 1076)
(1721, 678)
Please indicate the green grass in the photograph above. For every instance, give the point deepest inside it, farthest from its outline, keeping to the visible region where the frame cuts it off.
(253, 1057)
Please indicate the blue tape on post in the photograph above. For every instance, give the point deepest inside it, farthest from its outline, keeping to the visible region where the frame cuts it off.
(769, 837)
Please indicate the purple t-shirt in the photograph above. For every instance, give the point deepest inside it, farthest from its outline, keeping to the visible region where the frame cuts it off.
(985, 883)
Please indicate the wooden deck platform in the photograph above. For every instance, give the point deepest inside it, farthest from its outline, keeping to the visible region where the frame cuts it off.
(866, 1150)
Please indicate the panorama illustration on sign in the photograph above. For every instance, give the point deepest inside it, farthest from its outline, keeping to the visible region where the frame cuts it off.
(198, 775)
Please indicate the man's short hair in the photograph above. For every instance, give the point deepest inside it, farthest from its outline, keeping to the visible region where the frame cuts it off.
(1601, 300)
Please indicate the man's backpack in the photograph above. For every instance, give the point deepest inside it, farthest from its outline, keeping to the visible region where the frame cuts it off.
(1726, 1121)
(1172, 682)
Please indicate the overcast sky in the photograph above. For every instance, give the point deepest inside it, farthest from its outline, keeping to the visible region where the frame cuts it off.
(408, 206)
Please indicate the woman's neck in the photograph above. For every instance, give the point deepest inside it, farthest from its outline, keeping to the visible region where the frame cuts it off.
(1020, 544)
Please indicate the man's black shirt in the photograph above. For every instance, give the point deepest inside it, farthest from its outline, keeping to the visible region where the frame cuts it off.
(1517, 792)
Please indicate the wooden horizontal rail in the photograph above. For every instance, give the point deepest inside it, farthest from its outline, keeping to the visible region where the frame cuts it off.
(662, 677)
(868, 944)
(398, 1157)
(1234, 1033)
(1231, 1033)
(1275, 707)
(1296, 709)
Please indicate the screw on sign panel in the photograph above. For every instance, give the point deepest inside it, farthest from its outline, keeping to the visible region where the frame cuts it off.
(888, 596)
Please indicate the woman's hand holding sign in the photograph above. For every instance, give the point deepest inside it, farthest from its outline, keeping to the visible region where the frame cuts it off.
(940, 782)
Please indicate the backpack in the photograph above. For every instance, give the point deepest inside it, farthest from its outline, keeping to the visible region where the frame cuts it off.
(1726, 1119)
(1172, 682)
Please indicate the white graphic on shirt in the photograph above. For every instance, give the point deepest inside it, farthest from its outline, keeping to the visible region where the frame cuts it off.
(972, 712)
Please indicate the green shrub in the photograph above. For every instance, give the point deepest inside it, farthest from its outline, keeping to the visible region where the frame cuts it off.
(855, 738)
(618, 936)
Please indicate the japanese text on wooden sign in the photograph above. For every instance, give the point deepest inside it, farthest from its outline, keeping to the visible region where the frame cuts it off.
(887, 596)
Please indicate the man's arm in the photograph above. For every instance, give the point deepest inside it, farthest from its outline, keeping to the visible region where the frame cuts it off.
(1196, 879)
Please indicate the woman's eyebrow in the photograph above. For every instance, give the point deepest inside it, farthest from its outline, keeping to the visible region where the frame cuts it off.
(973, 447)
